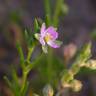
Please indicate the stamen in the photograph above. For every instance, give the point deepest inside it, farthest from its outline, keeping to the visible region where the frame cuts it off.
(48, 37)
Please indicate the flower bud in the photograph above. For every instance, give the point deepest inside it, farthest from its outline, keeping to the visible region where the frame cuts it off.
(76, 85)
(66, 77)
(48, 90)
(91, 64)
(35, 95)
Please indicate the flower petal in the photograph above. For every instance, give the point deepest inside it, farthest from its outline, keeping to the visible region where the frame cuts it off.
(42, 41)
(43, 27)
(54, 44)
(52, 31)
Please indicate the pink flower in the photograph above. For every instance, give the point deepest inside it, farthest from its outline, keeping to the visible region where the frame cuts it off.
(48, 37)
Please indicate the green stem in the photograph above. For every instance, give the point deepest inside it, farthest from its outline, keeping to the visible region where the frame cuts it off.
(49, 65)
(24, 78)
(82, 57)
(31, 65)
(30, 50)
(26, 71)
(48, 11)
(57, 12)
(20, 50)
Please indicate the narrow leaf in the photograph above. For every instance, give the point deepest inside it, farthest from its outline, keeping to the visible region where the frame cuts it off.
(21, 54)
(36, 25)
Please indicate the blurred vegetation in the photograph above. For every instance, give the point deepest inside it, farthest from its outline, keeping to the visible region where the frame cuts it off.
(48, 69)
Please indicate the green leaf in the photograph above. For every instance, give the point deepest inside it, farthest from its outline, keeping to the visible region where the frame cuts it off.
(25, 89)
(8, 82)
(66, 77)
(47, 20)
(85, 53)
(47, 6)
(29, 37)
(57, 12)
(37, 36)
(15, 78)
(26, 35)
(36, 26)
(12, 87)
(58, 42)
(20, 54)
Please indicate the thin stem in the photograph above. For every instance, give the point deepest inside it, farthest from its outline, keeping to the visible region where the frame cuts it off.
(31, 65)
(48, 10)
(48, 18)
(57, 12)
(20, 50)
(68, 75)
(30, 50)
(49, 65)
(26, 71)
(24, 78)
